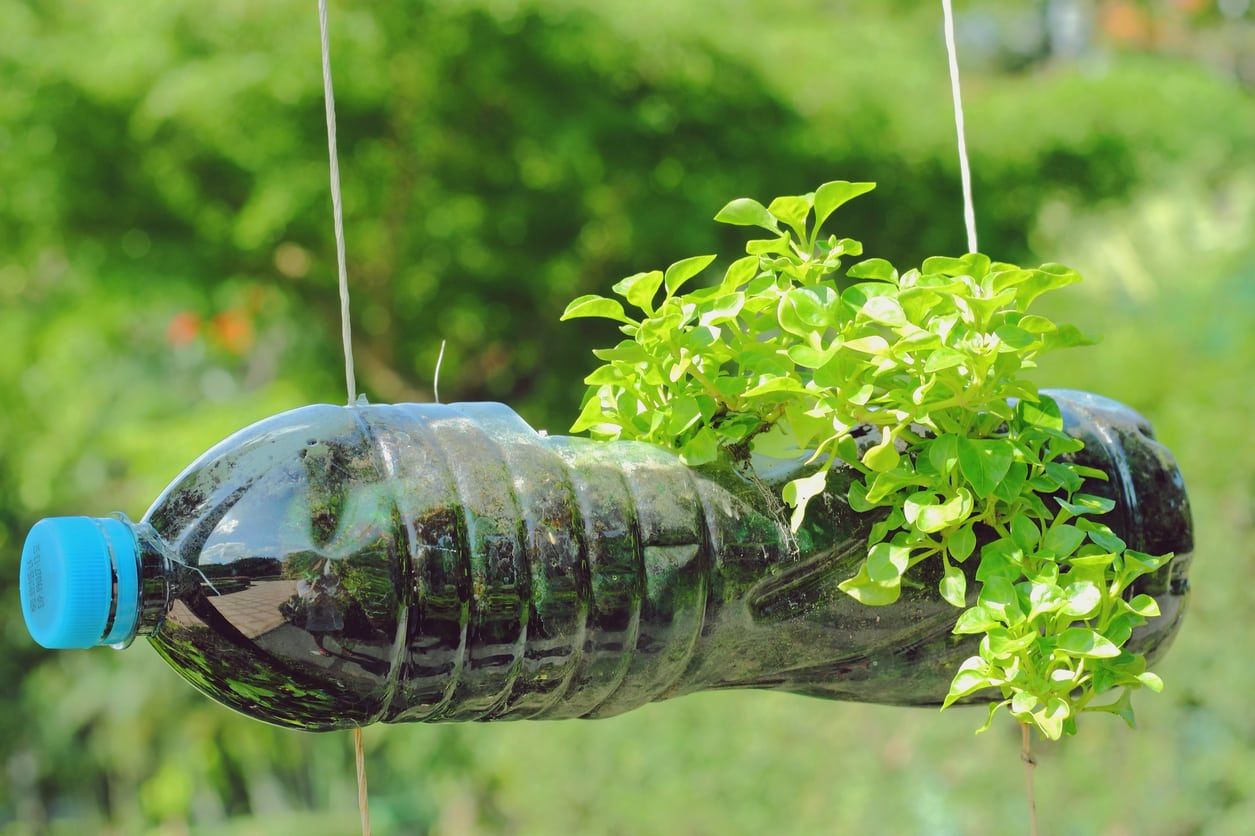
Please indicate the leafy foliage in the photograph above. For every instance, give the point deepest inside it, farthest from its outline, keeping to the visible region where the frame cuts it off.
(788, 353)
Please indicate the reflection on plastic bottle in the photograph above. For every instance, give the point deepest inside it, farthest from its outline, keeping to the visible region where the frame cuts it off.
(317, 608)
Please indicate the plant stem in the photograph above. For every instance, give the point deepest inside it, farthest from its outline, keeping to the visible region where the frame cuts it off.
(714, 393)
(1026, 755)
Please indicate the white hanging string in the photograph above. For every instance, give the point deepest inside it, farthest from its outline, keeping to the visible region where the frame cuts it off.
(969, 213)
(346, 329)
(435, 380)
(363, 807)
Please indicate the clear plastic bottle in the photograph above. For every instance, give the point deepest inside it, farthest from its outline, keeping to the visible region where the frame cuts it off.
(337, 566)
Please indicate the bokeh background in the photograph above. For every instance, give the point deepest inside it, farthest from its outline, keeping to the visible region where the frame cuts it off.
(167, 277)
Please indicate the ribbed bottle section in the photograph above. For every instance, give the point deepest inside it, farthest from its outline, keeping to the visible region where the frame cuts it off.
(547, 577)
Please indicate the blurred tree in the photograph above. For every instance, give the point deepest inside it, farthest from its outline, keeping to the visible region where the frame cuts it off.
(167, 276)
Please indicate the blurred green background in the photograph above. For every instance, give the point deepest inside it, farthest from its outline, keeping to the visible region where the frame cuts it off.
(167, 276)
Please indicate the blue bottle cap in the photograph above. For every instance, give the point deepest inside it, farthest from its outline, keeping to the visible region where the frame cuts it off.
(80, 582)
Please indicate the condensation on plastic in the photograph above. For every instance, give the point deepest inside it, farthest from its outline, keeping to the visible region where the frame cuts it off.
(338, 566)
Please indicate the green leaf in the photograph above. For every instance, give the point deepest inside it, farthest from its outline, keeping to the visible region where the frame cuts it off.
(1044, 413)
(1050, 719)
(847, 246)
(745, 211)
(857, 497)
(917, 304)
(1000, 279)
(590, 416)
(1023, 702)
(793, 210)
(702, 448)
(1144, 605)
(1064, 475)
(885, 484)
(1046, 278)
(1090, 473)
(868, 345)
(943, 453)
(739, 273)
(1015, 336)
(1035, 324)
(885, 310)
(947, 265)
(1151, 681)
(592, 305)
(1092, 561)
(607, 374)
(944, 358)
(1088, 644)
(1060, 676)
(923, 510)
(1001, 643)
(961, 543)
(977, 619)
(804, 311)
(1001, 558)
(1062, 540)
(627, 351)
(866, 591)
(640, 289)
(685, 412)
(1084, 503)
(886, 562)
(766, 246)
(1082, 599)
(1009, 488)
(999, 597)
(1101, 535)
(800, 491)
(831, 196)
(723, 309)
(884, 456)
(953, 586)
(873, 268)
(1025, 532)
(680, 272)
(1042, 572)
(1044, 597)
(973, 675)
(1121, 627)
(772, 385)
(811, 358)
(984, 463)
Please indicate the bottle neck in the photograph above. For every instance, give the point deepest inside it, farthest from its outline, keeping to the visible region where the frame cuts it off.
(155, 585)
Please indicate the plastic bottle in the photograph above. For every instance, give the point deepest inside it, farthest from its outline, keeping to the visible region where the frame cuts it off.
(337, 566)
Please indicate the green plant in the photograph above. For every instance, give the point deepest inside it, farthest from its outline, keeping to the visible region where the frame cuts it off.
(790, 353)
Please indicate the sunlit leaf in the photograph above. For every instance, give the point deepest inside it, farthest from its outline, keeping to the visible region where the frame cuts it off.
(640, 289)
(746, 211)
(953, 586)
(593, 305)
(884, 456)
(984, 463)
(831, 196)
(1078, 641)
(792, 210)
(680, 272)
